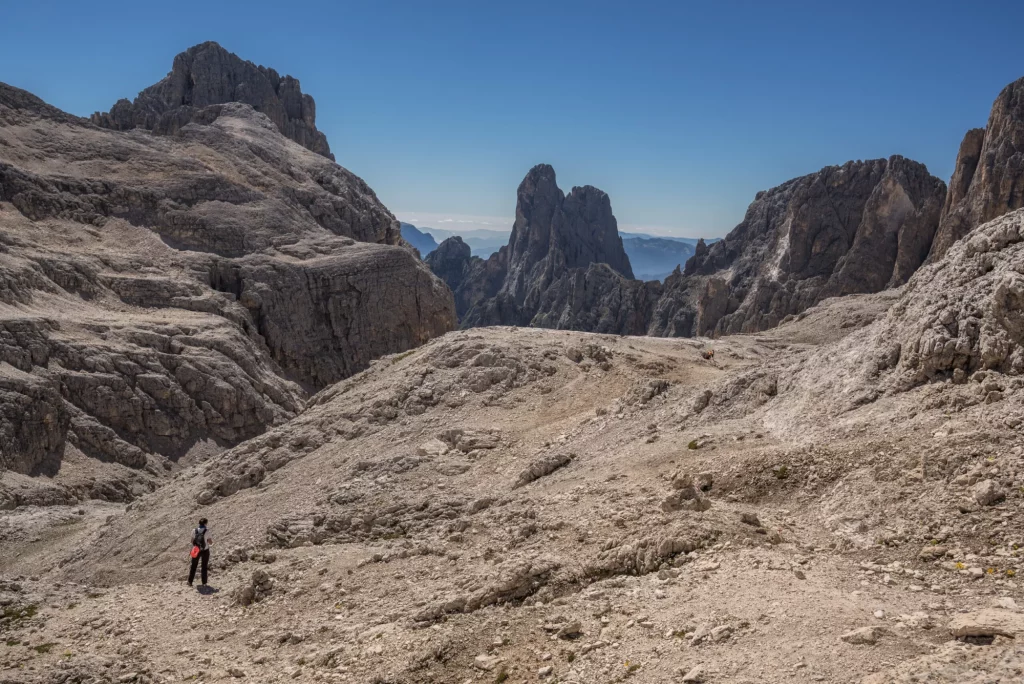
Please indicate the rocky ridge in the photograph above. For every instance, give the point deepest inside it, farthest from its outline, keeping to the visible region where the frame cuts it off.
(164, 297)
(988, 180)
(858, 228)
(207, 74)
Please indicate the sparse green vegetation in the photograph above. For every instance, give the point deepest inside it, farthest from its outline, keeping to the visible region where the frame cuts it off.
(694, 444)
(502, 675)
(782, 472)
(14, 614)
(44, 648)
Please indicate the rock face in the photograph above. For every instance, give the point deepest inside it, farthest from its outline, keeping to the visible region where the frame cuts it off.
(452, 262)
(856, 228)
(962, 316)
(988, 180)
(207, 74)
(159, 294)
(564, 266)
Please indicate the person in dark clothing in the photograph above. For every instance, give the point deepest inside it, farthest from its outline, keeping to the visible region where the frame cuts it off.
(200, 538)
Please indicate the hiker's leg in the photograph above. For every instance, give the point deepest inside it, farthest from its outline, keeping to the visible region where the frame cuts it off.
(205, 555)
(192, 570)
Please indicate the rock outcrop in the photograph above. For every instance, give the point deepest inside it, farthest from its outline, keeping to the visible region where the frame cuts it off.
(856, 228)
(988, 180)
(207, 74)
(564, 266)
(471, 279)
(163, 294)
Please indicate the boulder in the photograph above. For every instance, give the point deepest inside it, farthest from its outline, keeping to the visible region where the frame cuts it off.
(989, 622)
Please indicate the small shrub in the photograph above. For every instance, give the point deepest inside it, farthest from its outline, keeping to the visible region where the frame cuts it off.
(44, 648)
(694, 444)
(782, 472)
(502, 675)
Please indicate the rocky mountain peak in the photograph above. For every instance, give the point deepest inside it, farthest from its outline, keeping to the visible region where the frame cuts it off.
(207, 74)
(556, 241)
(988, 180)
(571, 231)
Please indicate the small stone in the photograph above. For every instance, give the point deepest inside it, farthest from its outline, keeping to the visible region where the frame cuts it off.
(694, 675)
(721, 633)
(799, 574)
(486, 662)
(988, 493)
(570, 629)
(862, 636)
(545, 671)
(880, 614)
(750, 519)
(235, 672)
(1006, 603)
(433, 447)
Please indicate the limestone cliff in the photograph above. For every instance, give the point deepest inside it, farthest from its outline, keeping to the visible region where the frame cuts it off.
(164, 296)
(988, 180)
(860, 227)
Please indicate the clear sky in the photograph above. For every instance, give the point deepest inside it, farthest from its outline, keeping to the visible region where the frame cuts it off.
(681, 111)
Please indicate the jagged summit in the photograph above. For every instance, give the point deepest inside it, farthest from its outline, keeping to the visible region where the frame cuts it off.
(563, 258)
(856, 228)
(988, 180)
(207, 74)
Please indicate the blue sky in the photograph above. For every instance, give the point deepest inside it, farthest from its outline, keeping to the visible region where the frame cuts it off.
(680, 111)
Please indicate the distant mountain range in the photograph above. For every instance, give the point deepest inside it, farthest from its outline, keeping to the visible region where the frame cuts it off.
(653, 257)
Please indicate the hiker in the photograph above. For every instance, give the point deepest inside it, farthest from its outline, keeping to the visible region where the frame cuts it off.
(201, 541)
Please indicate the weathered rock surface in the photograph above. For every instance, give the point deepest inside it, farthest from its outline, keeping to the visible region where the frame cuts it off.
(564, 266)
(988, 180)
(989, 622)
(856, 228)
(207, 74)
(466, 275)
(163, 293)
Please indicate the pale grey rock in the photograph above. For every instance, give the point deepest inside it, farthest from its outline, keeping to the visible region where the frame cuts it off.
(988, 180)
(184, 292)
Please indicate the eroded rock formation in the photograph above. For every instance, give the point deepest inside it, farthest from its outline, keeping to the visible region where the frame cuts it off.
(164, 293)
(207, 74)
(988, 180)
(564, 266)
(856, 228)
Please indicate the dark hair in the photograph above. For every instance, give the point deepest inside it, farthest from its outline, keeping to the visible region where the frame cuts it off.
(202, 521)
